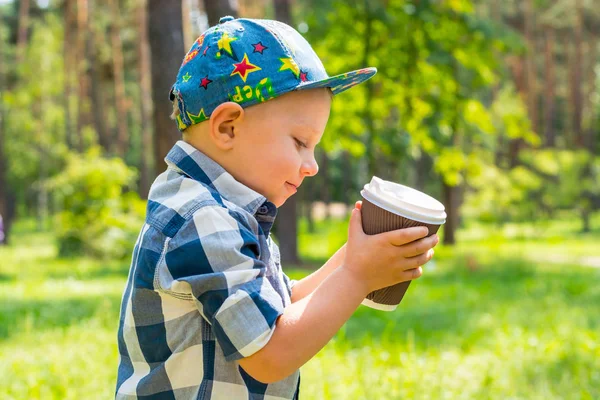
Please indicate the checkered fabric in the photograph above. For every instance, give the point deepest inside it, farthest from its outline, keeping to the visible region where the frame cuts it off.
(205, 288)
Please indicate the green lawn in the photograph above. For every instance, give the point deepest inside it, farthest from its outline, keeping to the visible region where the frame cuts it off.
(499, 316)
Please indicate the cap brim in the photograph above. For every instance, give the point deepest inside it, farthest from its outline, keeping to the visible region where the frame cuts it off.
(342, 82)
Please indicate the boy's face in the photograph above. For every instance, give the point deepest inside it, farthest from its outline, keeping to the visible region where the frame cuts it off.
(275, 151)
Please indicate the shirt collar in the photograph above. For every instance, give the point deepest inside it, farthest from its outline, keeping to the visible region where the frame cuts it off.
(188, 160)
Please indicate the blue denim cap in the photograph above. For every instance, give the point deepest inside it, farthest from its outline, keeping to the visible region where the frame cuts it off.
(249, 61)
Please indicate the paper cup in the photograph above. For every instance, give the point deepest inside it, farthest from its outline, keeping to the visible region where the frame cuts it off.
(389, 206)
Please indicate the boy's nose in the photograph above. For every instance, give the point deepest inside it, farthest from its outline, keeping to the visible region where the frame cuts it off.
(310, 167)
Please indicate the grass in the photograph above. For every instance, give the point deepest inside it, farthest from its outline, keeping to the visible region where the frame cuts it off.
(490, 319)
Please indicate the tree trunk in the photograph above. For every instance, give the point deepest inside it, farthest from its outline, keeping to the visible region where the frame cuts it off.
(424, 164)
(120, 101)
(215, 9)
(530, 73)
(347, 177)
(69, 67)
(521, 68)
(6, 197)
(283, 11)
(451, 195)
(94, 40)
(84, 108)
(252, 8)
(23, 30)
(577, 73)
(287, 231)
(568, 128)
(585, 220)
(518, 72)
(308, 190)
(186, 24)
(146, 172)
(549, 101)
(165, 50)
(591, 89)
(496, 15)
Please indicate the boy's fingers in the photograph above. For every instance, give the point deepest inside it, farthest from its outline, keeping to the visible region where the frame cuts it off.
(415, 262)
(400, 237)
(420, 246)
(355, 226)
(411, 274)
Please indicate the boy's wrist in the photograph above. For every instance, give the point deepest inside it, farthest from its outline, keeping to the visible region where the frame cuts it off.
(355, 281)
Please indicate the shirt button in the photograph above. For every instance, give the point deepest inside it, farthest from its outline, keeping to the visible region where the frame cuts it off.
(263, 209)
(226, 19)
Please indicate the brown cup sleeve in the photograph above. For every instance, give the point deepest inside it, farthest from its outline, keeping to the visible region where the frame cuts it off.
(376, 220)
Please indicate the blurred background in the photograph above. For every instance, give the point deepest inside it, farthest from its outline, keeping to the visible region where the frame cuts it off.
(492, 107)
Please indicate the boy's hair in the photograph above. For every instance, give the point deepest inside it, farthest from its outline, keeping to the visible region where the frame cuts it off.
(249, 61)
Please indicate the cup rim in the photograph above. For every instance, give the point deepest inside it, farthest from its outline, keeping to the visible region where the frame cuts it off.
(426, 219)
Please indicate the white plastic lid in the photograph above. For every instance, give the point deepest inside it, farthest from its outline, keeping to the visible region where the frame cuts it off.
(405, 201)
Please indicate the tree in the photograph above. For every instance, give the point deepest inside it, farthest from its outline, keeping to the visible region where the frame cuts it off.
(576, 75)
(283, 11)
(69, 57)
(167, 51)
(549, 84)
(428, 97)
(215, 9)
(95, 41)
(6, 199)
(119, 81)
(23, 29)
(84, 117)
(145, 98)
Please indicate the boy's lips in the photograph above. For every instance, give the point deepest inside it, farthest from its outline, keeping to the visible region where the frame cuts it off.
(292, 186)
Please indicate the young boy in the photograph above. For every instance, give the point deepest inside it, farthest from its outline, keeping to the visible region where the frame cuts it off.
(207, 312)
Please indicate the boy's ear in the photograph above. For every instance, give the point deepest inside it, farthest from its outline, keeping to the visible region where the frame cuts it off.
(224, 123)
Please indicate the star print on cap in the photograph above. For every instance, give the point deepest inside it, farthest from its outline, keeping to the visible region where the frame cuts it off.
(249, 61)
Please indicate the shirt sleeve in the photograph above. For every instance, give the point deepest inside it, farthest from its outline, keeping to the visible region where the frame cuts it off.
(289, 282)
(214, 260)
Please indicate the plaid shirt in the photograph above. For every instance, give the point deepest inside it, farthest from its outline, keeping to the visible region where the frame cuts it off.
(205, 288)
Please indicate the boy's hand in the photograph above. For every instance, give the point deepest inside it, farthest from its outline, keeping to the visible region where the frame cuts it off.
(387, 258)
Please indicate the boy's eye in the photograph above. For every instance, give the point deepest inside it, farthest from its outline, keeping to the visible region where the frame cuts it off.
(299, 143)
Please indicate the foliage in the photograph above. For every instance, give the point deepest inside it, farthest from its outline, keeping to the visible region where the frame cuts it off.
(97, 216)
(436, 60)
(545, 182)
(35, 146)
(509, 116)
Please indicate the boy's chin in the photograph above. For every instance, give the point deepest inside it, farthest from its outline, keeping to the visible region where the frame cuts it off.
(279, 201)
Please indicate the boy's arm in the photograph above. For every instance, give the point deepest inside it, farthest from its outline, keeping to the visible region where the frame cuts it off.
(306, 326)
(306, 286)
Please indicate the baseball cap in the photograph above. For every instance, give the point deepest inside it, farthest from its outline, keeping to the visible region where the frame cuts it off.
(249, 61)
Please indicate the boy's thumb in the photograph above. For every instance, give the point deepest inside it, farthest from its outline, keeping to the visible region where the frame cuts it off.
(355, 225)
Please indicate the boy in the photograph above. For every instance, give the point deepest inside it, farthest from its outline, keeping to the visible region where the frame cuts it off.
(207, 312)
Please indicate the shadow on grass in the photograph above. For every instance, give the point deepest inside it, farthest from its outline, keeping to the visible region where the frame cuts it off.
(460, 307)
(19, 316)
